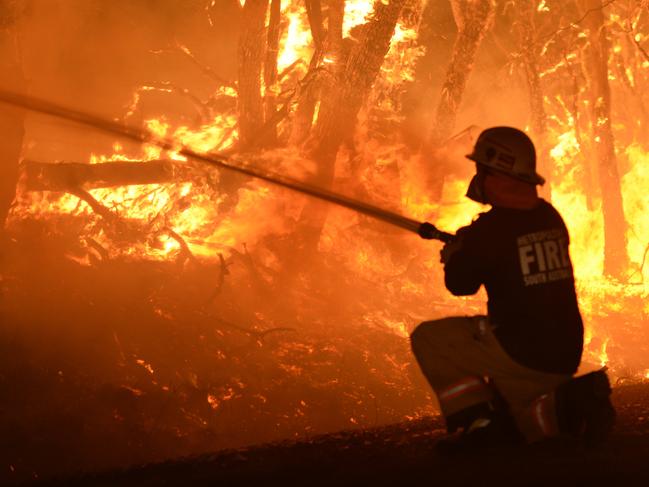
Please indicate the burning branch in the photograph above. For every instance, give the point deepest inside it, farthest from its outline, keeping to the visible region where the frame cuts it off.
(642, 50)
(186, 253)
(206, 70)
(103, 253)
(256, 335)
(168, 88)
(223, 266)
(96, 206)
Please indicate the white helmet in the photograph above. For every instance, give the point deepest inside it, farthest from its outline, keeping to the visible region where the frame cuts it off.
(507, 150)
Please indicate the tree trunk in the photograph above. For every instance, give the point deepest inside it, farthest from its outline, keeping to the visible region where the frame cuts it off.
(339, 109)
(528, 42)
(270, 68)
(341, 103)
(329, 43)
(250, 60)
(585, 150)
(596, 60)
(473, 19)
(314, 13)
(12, 120)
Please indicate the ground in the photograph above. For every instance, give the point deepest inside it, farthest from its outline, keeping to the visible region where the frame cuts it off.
(403, 454)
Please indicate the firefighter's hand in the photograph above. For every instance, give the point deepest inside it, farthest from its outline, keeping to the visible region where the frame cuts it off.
(448, 250)
(428, 231)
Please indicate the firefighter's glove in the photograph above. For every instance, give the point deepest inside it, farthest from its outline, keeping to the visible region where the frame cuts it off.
(428, 231)
(449, 249)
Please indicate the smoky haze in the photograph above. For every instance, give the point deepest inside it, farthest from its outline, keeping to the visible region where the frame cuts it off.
(133, 361)
(113, 356)
(93, 55)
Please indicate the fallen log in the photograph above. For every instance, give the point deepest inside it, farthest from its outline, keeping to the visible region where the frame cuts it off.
(69, 176)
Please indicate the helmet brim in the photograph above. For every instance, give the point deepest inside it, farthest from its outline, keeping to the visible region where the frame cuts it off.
(536, 179)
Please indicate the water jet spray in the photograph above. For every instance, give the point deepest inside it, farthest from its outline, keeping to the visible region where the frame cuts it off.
(424, 229)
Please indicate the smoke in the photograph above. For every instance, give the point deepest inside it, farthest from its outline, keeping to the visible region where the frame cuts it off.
(111, 361)
(93, 55)
(110, 358)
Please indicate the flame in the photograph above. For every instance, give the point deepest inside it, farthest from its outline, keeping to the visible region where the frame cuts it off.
(636, 207)
(174, 215)
(357, 12)
(587, 245)
(296, 42)
(599, 296)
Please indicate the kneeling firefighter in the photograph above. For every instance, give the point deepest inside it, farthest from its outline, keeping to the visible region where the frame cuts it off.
(508, 375)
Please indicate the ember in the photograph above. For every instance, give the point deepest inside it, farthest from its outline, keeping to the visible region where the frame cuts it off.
(147, 300)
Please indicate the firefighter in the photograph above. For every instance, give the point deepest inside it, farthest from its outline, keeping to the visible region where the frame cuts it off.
(496, 376)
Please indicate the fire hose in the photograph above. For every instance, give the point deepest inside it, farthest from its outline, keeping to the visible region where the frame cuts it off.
(423, 229)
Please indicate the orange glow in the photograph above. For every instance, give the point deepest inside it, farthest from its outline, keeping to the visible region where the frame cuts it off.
(205, 310)
(190, 209)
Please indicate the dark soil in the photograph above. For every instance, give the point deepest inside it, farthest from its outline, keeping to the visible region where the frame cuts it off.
(403, 454)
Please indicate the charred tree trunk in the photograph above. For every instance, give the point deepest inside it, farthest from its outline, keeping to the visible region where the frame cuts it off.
(314, 13)
(326, 42)
(250, 62)
(339, 109)
(12, 120)
(596, 60)
(529, 45)
(473, 19)
(581, 128)
(341, 103)
(270, 68)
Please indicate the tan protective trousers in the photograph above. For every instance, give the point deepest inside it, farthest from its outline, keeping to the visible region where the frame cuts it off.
(458, 354)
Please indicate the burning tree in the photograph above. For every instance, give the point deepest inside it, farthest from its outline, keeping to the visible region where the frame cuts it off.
(597, 68)
(239, 303)
(473, 19)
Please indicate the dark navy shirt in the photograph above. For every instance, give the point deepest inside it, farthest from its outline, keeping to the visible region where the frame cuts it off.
(521, 257)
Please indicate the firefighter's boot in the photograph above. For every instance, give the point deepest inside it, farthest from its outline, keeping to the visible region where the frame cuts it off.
(584, 407)
(482, 426)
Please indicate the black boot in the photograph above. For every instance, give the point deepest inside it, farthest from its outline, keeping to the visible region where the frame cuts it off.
(463, 419)
(482, 426)
(584, 407)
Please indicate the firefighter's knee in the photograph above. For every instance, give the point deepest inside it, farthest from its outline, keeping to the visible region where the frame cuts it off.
(421, 334)
(435, 328)
(429, 335)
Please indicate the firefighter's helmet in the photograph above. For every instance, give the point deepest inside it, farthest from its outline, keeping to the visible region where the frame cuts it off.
(507, 150)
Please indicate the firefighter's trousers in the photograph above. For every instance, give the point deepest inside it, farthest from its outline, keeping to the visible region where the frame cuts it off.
(457, 354)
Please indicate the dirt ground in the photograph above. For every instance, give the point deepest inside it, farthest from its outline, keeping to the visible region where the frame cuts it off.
(403, 454)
